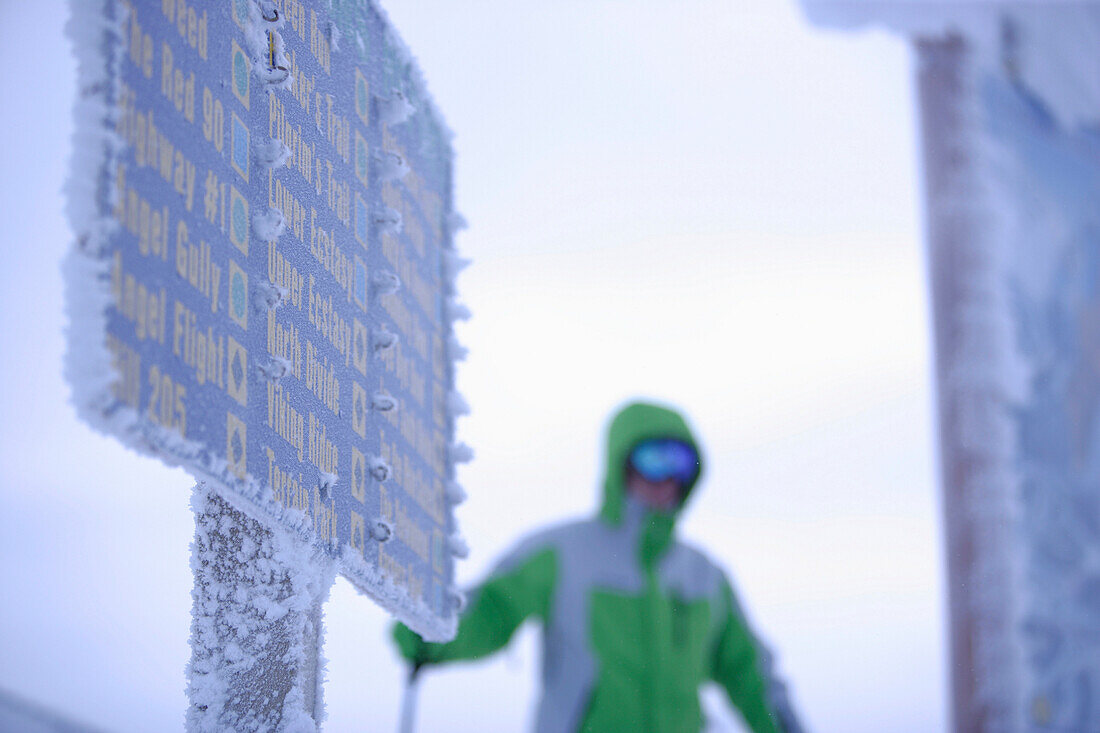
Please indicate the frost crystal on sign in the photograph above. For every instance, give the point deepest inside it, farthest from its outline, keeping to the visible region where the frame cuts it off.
(456, 543)
(456, 222)
(381, 530)
(386, 283)
(326, 485)
(269, 296)
(275, 77)
(382, 339)
(269, 13)
(455, 493)
(457, 404)
(462, 453)
(269, 225)
(453, 264)
(458, 598)
(383, 402)
(334, 36)
(274, 369)
(379, 469)
(455, 350)
(392, 166)
(457, 311)
(388, 220)
(395, 110)
(272, 153)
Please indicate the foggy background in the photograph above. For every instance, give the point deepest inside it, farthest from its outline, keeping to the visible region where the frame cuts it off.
(708, 203)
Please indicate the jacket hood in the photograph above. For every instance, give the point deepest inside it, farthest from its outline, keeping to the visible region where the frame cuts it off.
(633, 423)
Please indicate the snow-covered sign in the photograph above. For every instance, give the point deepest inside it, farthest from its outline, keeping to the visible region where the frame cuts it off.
(1046, 181)
(1010, 111)
(261, 286)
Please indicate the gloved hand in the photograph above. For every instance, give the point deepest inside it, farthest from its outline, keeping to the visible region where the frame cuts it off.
(410, 646)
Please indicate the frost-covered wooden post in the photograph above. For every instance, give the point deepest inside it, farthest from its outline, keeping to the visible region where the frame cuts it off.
(256, 626)
(973, 358)
(262, 292)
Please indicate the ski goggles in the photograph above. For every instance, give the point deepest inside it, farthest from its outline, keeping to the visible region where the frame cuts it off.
(660, 459)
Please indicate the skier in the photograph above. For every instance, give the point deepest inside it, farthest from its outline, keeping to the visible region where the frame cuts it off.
(633, 620)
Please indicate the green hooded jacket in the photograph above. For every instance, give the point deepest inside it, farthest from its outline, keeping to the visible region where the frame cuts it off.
(634, 622)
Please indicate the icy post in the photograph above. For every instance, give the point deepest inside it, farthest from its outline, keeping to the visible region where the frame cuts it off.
(407, 724)
(256, 624)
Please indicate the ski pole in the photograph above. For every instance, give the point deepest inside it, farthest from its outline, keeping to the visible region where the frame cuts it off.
(408, 700)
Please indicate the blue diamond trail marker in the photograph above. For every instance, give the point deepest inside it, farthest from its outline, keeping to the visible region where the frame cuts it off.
(260, 286)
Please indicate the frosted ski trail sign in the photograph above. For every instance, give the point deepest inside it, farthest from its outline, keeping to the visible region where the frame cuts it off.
(261, 287)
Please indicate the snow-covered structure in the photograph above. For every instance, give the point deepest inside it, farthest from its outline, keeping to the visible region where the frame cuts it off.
(1009, 100)
(294, 149)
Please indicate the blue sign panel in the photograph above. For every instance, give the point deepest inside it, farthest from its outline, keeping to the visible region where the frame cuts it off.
(262, 198)
(1051, 180)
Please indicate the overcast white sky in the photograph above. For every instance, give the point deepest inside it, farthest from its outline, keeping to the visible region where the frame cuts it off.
(705, 202)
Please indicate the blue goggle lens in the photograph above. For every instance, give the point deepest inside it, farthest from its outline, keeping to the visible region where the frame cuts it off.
(658, 460)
